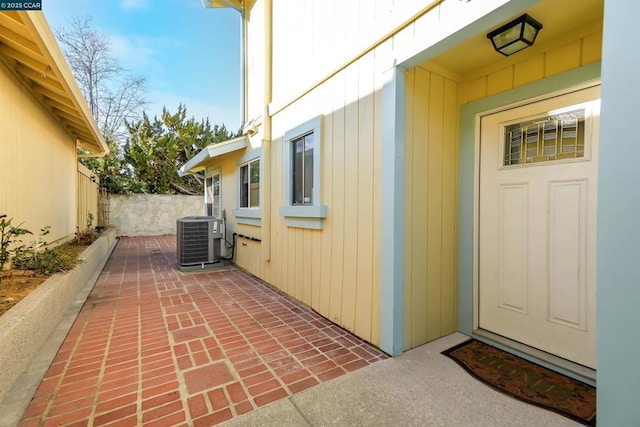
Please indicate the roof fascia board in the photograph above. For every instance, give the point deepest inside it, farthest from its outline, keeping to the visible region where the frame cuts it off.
(212, 151)
(49, 47)
(234, 4)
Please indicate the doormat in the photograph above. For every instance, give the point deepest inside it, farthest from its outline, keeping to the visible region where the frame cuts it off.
(527, 381)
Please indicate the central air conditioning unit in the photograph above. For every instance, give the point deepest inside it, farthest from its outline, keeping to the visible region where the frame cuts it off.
(199, 240)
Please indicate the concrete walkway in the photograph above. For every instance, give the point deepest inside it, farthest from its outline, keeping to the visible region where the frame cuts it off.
(156, 347)
(418, 388)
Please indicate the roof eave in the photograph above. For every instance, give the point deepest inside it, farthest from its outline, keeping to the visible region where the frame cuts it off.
(211, 151)
(93, 140)
(234, 4)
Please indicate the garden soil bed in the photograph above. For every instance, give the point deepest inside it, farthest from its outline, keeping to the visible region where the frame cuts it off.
(17, 284)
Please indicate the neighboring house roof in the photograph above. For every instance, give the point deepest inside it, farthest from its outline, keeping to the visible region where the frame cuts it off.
(29, 49)
(199, 161)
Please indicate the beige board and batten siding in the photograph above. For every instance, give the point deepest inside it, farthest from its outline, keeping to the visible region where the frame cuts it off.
(38, 171)
(430, 212)
(344, 49)
(313, 39)
(336, 270)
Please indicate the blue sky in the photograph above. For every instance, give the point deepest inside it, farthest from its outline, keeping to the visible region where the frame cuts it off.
(189, 54)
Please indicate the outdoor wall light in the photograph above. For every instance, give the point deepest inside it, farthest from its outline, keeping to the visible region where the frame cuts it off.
(516, 35)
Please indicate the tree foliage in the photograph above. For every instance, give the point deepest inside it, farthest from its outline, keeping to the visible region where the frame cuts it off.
(157, 148)
(114, 174)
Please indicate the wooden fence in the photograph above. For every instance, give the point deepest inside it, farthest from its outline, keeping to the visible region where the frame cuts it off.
(87, 199)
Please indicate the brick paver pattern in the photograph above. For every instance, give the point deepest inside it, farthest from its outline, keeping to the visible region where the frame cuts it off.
(157, 347)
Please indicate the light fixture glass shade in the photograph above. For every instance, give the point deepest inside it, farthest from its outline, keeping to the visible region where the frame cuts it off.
(516, 35)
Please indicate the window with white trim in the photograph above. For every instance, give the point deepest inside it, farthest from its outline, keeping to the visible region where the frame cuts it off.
(302, 146)
(250, 184)
(248, 175)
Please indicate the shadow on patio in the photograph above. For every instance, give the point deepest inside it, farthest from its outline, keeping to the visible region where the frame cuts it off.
(155, 346)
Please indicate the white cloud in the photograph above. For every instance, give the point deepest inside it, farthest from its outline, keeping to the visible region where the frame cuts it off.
(134, 4)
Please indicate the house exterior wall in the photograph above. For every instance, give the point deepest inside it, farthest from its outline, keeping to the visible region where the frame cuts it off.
(327, 35)
(38, 172)
(336, 270)
(301, 93)
(430, 208)
(331, 59)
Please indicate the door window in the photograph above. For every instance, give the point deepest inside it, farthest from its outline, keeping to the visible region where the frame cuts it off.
(545, 138)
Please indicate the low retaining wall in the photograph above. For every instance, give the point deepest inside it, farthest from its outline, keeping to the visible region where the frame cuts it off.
(151, 214)
(28, 325)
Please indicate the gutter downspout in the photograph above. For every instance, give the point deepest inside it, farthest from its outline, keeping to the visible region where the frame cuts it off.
(266, 142)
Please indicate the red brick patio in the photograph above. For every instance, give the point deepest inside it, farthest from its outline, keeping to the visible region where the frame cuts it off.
(156, 347)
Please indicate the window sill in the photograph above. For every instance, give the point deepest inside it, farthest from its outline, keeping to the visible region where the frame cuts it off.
(304, 216)
(248, 216)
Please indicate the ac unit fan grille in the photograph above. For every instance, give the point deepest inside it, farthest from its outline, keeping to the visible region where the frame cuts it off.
(194, 242)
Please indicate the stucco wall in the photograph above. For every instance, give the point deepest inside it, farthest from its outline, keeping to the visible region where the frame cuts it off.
(151, 214)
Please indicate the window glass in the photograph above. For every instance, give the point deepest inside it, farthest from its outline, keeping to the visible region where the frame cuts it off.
(296, 171)
(548, 138)
(212, 195)
(208, 195)
(254, 184)
(302, 170)
(217, 207)
(250, 184)
(308, 169)
(244, 181)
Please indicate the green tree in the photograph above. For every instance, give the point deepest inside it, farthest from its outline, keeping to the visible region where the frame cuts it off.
(115, 175)
(157, 148)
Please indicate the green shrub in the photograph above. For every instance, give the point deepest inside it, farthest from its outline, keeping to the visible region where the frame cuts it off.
(8, 234)
(88, 235)
(44, 261)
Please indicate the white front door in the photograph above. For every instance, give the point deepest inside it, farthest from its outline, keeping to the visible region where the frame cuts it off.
(537, 224)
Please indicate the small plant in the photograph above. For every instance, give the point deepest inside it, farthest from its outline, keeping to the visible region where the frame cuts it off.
(45, 261)
(88, 235)
(8, 234)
